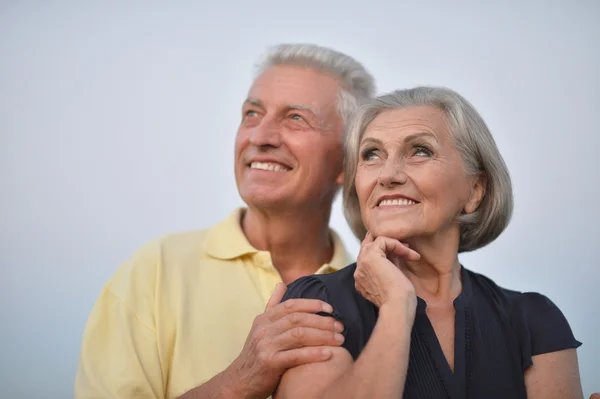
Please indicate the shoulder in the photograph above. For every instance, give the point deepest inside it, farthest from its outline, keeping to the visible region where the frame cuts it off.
(357, 314)
(540, 325)
(544, 322)
(332, 286)
(140, 271)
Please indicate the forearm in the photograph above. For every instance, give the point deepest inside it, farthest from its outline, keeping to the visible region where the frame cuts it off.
(221, 386)
(380, 370)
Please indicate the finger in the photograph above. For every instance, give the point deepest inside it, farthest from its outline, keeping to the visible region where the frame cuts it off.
(299, 337)
(300, 356)
(298, 305)
(389, 245)
(368, 238)
(277, 295)
(308, 320)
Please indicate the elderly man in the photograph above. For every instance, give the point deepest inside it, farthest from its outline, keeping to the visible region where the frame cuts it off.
(186, 314)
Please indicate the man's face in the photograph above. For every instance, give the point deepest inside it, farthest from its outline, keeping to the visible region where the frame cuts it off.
(288, 149)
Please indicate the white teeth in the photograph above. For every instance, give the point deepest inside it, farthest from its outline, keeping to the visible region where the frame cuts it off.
(397, 201)
(273, 167)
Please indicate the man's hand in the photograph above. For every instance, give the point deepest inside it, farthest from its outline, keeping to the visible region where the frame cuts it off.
(286, 335)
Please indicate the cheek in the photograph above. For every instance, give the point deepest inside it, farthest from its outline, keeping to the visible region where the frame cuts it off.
(241, 140)
(364, 183)
(445, 189)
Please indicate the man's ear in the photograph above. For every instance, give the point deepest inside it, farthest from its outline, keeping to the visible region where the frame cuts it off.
(477, 193)
(340, 179)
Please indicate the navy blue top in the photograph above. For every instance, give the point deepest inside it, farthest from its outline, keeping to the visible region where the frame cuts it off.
(497, 331)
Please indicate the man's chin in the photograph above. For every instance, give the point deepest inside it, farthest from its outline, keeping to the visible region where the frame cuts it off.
(266, 200)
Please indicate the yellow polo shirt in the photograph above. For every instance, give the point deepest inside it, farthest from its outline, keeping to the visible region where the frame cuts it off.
(178, 313)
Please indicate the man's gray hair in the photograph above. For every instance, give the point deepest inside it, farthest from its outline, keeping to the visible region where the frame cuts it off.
(472, 139)
(358, 85)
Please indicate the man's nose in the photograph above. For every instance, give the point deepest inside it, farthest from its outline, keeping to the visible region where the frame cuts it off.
(266, 134)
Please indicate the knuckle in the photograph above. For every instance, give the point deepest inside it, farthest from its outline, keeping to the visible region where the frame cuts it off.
(258, 320)
(294, 319)
(260, 334)
(264, 358)
(290, 303)
(261, 342)
(297, 332)
(293, 356)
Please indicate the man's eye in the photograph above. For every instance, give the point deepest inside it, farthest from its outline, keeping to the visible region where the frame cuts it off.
(251, 113)
(296, 117)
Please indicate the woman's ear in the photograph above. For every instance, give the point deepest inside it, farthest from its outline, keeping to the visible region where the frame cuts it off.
(477, 193)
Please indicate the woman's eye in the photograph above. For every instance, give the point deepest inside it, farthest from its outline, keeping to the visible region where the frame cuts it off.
(369, 155)
(421, 151)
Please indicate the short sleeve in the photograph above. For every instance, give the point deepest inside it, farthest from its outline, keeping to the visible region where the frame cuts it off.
(546, 328)
(119, 352)
(340, 298)
(311, 287)
(119, 357)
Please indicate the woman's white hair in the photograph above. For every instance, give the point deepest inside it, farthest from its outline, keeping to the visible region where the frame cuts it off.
(472, 139)
(357, 83)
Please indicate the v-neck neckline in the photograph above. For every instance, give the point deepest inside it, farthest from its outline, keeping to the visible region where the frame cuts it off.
(454, 381)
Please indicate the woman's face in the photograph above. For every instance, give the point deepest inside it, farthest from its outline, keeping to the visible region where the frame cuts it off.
(410, 178)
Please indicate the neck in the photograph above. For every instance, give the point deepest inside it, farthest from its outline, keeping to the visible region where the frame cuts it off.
(436, 275)
(298, 241)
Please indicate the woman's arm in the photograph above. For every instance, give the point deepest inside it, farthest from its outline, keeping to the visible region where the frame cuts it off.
(379, 372)
(554, 375)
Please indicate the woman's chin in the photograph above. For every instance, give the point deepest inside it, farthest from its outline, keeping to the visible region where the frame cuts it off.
(395, 233)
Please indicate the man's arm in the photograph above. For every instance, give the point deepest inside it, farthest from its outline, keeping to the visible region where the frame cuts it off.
(286, 335)
(116, 343)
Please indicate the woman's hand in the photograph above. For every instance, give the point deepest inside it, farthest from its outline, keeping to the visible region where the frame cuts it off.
(378, 278)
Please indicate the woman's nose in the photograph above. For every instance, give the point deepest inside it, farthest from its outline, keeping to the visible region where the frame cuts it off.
(392, 174)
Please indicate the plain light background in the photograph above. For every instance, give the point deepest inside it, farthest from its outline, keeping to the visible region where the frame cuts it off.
(118, 122)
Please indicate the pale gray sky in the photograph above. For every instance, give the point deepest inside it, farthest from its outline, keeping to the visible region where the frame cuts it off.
(118, 122)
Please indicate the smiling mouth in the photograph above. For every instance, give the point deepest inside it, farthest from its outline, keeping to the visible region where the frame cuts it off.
(396, 202)
(269, 166)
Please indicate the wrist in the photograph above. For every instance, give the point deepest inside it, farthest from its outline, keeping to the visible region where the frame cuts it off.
(233, 384)
(401, 310)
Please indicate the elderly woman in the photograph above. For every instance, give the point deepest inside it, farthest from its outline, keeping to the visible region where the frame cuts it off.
(424, 182)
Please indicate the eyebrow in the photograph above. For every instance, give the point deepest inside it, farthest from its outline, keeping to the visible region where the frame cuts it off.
(254, 101)
(300, 107)
(408, 138)
(413, 136)
(291, 107)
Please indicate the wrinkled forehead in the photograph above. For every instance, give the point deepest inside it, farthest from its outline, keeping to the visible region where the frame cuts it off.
(402, 122)
(281, 86)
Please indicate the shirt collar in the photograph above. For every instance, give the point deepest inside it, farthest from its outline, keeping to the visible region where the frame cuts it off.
(226, 240)
(340, 259)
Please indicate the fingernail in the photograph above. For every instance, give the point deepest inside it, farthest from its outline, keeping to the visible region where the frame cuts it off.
(339, 327)
(326, 353)
(339, 338)
(327, 308)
